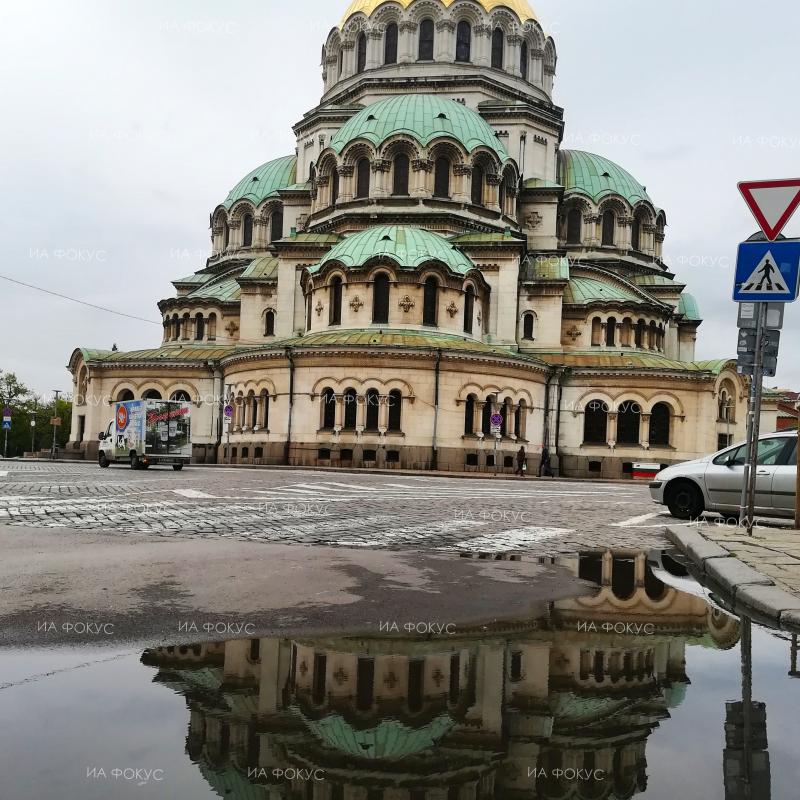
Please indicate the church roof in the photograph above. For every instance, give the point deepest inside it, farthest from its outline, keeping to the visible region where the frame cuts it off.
(424, 117)
(408, 246)
(596, 177)
(582, 290)
(520, 7)
(264, 181)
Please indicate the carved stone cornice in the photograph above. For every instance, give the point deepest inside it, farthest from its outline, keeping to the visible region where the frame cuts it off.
(548, 70)
(345, 170)
(348, 45)
(422, 164)
(322, 180)
(537, 53)
(462, 169)
(445, 25)
(483, 30)
(407, 25)
(381, 165)
(493, 179)
(406, 303)
(514, 39)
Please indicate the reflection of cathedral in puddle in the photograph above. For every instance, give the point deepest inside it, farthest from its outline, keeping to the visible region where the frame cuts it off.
(560, 706)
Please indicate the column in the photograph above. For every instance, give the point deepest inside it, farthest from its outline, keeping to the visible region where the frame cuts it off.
(640, 564)
(346, 191)
(445, 46)
(608, 568)
(349, 59)
(339, 420)
(361, 413)
(374, 48)
(481, 45)
(383, 412)
(644, 431)
(380, 172)
(420, 167)
(512, 54)
(612, 429)
(537, 66)
(462, 185)
(477, 419)
(603, 333)
(407, 45)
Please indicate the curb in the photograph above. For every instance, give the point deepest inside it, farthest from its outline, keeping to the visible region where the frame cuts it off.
(756, 594)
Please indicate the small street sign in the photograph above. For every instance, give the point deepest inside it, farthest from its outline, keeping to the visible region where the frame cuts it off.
(772, 202)
(767, 272)
(229, 412)
(770, 367)
(497, 420)
(748, 315)
(747, 342)
(55, 421)
(6, 424)
(6, 413)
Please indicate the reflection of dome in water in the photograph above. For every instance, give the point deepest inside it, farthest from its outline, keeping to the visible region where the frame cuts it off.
(570, 706)
(675, 694)
(390, 739)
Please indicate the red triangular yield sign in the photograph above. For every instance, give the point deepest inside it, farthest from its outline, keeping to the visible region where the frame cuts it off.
(772, 203)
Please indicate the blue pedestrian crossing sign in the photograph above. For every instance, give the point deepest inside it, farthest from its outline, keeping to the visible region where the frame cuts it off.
(767, 272)
(6, 424)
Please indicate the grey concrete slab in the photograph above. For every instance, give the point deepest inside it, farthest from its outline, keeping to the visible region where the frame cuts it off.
(696, 546)
(769, 600)
(732, 574)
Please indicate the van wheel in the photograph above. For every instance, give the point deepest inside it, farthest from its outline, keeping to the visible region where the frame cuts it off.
(102, 460)
(135, 461)
(685, 501)
(177, 467)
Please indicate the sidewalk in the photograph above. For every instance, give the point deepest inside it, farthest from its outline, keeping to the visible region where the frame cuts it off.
(761, 573)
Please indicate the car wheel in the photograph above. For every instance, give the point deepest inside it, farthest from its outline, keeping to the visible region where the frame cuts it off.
(685, 501)
(102, 460)
(135, 461)
(177, 467)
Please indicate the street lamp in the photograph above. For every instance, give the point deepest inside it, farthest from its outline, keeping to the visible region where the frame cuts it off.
(55, 420)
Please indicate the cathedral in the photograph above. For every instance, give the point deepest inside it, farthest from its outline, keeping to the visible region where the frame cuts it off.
(430, 281)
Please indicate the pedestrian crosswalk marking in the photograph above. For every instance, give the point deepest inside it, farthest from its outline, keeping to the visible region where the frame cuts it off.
(194, 493)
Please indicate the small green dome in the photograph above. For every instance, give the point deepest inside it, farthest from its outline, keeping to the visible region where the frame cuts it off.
(582, 290)
(689, 307)
(424, 117)
(409, 247)
(596, 177)
(264, 181)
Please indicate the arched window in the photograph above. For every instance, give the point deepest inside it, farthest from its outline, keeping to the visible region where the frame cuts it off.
(269, 323)
(660, 418)
(501, 195)
(152, 394)
(199, 328)
(341, 62)
(636, 233)
(395, 410)
(350, 409)
(527, 326)
(523, 61)
(124, 396)
(595, 423)
(308, 311)
(328, 409)
(597, 332)
(247, 230)
(334, 186)
(611, 332)
(380, 298)
(486, 416)
(390, 44)
(628, 418)
(176, 326)
(469, 309)
(226, 233)
(335, 302)
(426, 40)
(362, 178)
(464, 42)
(609, 224)
(574, 220)
(185, 325)
(400, 175)
(361, 53)
(498, 46)
(265, 406)
(441, 178)
(277, 224)
(469, 415)
(638, 336)
(431, 302)
(373, 407)
(477, 185)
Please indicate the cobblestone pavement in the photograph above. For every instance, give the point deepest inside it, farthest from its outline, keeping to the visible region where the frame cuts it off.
(331, 508)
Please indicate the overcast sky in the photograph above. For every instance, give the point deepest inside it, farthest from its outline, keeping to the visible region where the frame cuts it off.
(124, 124)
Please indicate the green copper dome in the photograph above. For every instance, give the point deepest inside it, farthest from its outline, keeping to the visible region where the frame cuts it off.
(409, 247)
(424, 117)
(582, 291)
(689, 307)
(264, 181)
(596, 177)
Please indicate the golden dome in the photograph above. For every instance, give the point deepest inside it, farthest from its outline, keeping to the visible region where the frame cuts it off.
(520, 7)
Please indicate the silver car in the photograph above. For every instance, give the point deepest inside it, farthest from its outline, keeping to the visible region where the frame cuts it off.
(714, 483)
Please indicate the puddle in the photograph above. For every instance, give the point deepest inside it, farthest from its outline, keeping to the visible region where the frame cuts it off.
(631, 692)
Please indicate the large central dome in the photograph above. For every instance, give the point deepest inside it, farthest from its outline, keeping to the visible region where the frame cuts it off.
(520, 7)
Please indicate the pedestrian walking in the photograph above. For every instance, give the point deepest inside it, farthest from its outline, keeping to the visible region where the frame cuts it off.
(545, 470)
(522, 463)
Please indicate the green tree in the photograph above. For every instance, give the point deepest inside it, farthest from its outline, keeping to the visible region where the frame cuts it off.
(27, 407)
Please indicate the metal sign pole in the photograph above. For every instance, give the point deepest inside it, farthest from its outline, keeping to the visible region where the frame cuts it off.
(755, 423)
(797, 487)
(5, 446)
